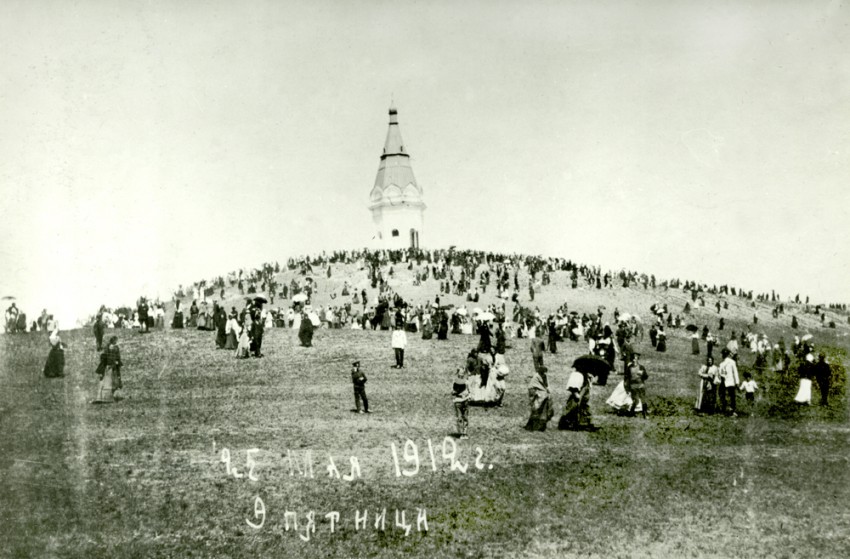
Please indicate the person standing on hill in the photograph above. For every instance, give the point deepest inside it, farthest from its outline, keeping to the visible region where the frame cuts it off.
(634, 383)
(661, 344)
(537, 353)
(443, 327)
(55, 366)
(730, 380)
(485, 344)
(823, 373)
(358, 379)
(143, 315)
(500, 339)
(804, 393)
(539, 400)
(109, 371)
(399, 342)
(221, 328)
(460, 400)
(231, 331)
(98, 331)
(305, 331)
(552, 334)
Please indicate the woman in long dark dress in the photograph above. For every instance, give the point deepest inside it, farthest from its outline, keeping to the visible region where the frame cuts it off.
(539, 401)
(709, 379)
(485, 344)
(177, 321)
(55, 365)
(443, 329)
(576, 414)
(661, 344)
(221, 328)
(305, 331)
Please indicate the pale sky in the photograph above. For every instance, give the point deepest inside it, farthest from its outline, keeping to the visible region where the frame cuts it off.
(148, 144)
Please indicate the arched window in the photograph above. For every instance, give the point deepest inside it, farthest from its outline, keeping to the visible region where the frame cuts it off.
(395, 232)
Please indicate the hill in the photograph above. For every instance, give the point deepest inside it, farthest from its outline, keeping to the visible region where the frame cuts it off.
(172, 470)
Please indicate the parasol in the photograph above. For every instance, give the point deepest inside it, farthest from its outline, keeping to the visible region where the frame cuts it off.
(486, 316)
(260, 300)
(691, 328)
(625, 317)
(807, 337)
(299, 298)
(8, 298)
(477, 310)
(461, 312)
(591, 364)
(636, 317)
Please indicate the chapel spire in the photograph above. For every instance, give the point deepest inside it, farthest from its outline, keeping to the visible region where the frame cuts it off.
(394, 145)
(396, 199)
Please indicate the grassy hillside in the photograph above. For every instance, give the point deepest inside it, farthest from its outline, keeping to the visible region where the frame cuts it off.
(145, 477)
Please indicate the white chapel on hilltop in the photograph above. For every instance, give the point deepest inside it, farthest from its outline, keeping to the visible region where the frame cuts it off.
(396, 199)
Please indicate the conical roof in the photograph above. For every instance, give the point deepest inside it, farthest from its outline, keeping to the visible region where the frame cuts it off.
(395, 183)
(394, 144)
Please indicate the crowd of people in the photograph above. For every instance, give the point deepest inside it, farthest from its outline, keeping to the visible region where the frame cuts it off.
(515, 280)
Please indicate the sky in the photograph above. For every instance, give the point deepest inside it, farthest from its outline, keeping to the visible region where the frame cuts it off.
(145, 145)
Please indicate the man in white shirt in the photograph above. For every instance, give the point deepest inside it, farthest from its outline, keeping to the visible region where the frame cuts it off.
(729, 376)
(399, 342)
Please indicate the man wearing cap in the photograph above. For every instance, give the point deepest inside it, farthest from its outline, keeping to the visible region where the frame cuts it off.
(359, 381)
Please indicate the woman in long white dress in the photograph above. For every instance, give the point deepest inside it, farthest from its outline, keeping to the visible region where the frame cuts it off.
(243, 350)
(804, 393)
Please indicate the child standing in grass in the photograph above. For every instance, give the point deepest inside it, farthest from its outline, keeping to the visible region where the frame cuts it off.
(749, 387)
(460, 397)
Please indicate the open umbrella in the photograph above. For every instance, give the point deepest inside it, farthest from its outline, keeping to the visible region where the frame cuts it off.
(486, 316)
(807, 337)
(461, 312)
(260, 300)
(8, 298)
(299, 298)
(691, 328)
(476, 311)
(625, 316)
(592, 365)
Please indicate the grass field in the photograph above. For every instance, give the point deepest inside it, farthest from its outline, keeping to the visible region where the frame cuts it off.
(145, 477)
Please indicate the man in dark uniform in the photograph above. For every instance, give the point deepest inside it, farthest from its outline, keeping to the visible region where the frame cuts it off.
(143, 315)
(358, 379)
(823, 373)
(98, 331)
